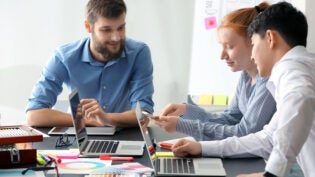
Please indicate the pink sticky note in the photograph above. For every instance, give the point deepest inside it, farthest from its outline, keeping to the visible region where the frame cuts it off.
(210, 22)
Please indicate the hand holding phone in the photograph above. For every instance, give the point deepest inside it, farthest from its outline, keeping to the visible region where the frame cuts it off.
(146, 114)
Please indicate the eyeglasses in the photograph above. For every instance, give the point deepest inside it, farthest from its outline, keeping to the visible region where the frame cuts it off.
(44, 168)
(64, 141)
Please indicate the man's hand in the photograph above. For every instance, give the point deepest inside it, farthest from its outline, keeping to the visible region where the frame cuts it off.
(185, 147)
(93, 113)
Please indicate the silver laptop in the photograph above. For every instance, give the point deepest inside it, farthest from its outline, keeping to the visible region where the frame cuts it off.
(176, 166)
(90, 130)
(93, 148)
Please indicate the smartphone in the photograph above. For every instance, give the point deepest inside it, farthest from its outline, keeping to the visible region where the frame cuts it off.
(146, 114)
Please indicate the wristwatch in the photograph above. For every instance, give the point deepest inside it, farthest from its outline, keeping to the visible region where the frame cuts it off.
(267, 174)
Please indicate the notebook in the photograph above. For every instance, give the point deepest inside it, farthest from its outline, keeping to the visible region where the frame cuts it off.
(93, 148)
(176, 166)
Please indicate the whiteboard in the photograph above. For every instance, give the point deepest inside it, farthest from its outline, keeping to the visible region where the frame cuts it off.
(208, 73)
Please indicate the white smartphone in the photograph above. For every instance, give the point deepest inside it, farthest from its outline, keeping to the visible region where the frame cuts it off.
(146, 114)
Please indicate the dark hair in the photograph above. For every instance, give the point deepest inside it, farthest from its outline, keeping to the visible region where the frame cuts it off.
(104, 8)
(240, 19)
(284, 18)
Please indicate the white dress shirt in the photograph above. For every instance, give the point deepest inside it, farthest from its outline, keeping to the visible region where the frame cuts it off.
(290, 135)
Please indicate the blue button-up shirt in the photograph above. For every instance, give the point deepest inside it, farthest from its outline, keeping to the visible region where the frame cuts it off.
(117, 85)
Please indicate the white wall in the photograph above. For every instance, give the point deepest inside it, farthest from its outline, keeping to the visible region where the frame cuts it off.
(310, 14)
(30, 30)
(166, 25)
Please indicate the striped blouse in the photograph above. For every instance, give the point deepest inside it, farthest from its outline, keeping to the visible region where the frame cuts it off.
(252, 107)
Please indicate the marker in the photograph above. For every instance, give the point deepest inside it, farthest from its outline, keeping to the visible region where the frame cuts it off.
(151, 149)
(69, 155)
(45, 158)
(107, 157)
(166, 146)
(164, 154)
(40, 160)
(54, 158)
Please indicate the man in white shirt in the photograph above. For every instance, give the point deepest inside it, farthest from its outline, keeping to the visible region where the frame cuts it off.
(279, 38)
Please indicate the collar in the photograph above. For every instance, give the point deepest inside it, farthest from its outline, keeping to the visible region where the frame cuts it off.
(87, 56)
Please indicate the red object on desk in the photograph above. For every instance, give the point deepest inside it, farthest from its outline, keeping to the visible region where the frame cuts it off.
(107, 157)
(151, 149)
(166, 146)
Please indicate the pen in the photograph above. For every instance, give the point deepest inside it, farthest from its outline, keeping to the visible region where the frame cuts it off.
(107, 157)
(54, 158)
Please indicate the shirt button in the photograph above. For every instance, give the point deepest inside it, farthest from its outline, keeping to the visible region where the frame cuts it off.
(104, 87)
(104, 107)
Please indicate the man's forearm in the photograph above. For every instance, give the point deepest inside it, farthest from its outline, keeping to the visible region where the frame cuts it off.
(125, 119)
(48, 118)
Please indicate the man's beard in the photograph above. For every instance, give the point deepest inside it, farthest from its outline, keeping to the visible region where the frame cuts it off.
(108, 55)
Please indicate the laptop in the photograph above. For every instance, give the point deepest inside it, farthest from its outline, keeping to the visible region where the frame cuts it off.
(93, 148)
(176, 166)
(90, 130)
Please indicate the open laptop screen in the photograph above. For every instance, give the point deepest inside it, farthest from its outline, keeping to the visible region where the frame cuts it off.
(147, 138)
(78, 120)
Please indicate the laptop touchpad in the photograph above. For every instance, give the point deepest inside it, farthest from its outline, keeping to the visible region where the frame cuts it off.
(129, 147)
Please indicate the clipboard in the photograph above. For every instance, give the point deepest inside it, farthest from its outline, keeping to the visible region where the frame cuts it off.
(19, 134)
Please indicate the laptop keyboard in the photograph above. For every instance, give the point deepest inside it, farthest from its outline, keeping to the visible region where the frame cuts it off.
(102, 147)
(174, 165)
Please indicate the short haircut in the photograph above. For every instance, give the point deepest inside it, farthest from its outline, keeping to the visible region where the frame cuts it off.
(104, 8)
(285, 19)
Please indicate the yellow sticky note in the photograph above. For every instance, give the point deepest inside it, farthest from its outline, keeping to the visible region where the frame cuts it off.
(230, 98)
(164, 154)
(205, 99)
(220, 100)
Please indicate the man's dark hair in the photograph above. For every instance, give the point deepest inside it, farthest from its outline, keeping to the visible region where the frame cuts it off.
(104, 8)
(284, 18)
